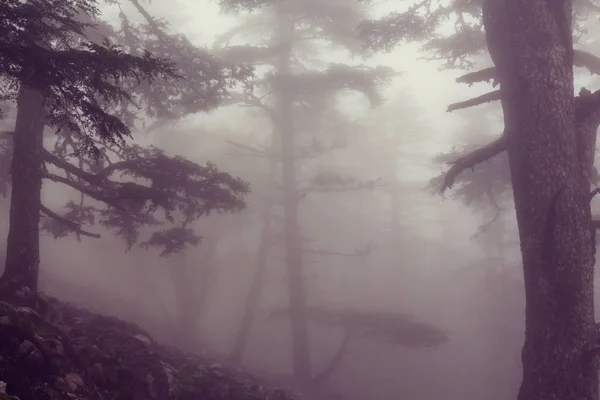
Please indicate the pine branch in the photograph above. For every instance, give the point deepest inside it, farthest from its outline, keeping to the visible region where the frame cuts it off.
(72, 225)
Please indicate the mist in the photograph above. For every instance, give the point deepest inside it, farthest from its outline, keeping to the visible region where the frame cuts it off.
(408, 292)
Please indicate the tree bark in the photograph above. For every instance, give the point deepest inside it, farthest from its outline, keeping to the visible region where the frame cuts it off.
(23, 242)
(531, 45)
(292, 239)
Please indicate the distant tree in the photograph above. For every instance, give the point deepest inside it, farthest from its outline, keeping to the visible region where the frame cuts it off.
(549, 138)
(299, 94)
(69, 71)
(392, 329)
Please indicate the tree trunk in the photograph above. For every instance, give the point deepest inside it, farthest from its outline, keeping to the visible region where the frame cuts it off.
(191, 291)
(251, 304)
(530, 42)
(292, 239)
(23, 242)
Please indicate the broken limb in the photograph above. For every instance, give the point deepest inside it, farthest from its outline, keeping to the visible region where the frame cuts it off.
(473, 158)
(485, 98)
(72, 225)
(581, 59)
(484, 75)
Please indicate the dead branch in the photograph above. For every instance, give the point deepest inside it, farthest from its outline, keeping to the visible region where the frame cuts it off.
(581, 59)
(473, 158)
(486, 98)
(74, 226)
(596, 224)
(484, 75)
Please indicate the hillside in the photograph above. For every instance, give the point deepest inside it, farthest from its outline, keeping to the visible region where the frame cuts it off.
(55, 350)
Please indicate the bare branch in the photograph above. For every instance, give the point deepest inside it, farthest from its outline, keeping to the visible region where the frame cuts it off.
(473, 158)
(486, 98)
(580, 59)
(72, 225)
(484, 75)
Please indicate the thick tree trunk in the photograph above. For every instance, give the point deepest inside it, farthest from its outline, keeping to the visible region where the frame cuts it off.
(292, 239)
(23, 250)
(531, 45)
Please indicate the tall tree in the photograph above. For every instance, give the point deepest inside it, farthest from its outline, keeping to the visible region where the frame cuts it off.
(295, 89)
(549, 137)
(60, 64)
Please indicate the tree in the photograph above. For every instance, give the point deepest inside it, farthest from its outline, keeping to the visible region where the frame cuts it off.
(299, 100)
(59, 62)
(387, 328)
(549, 137)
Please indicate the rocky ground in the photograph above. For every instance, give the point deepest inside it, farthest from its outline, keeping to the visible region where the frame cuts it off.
(54, 350)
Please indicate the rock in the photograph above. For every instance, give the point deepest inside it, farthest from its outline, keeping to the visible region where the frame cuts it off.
(58, 351)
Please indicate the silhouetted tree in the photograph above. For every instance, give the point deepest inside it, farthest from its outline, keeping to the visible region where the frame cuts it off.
(299, 99)
(65, 71)
(549, 137)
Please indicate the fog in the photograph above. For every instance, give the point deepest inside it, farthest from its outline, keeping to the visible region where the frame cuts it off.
(386, 242)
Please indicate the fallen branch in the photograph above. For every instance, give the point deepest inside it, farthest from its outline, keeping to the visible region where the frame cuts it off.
(473, 158)
(74, 226)
(486, 98)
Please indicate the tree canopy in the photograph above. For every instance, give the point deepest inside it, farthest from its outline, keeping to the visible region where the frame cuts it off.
(98, 82)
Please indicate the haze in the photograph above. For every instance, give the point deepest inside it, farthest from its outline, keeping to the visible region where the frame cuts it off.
(388, 242)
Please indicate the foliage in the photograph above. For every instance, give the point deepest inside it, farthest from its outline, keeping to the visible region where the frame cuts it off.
(463, 48)
(98, 82)
(398, 329)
